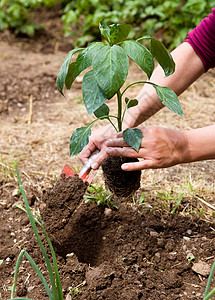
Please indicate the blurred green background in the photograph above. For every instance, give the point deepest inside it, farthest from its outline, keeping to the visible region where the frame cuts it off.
(167, 20)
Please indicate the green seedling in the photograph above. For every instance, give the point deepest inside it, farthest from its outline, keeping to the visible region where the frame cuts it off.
(194, 212)
(209, 294)
(143, 198)
(177, 203)
(122, 258)
(191, 258)
(100, 196)
(165, 195)
(109, 63)
(55, 292)
(201, 212)
(74, 292)
(7, 167)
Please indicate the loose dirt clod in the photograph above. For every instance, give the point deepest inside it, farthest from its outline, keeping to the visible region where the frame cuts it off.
(120, 182)
(202, 268)
(64, 198)
(61, 202)
(75, 227)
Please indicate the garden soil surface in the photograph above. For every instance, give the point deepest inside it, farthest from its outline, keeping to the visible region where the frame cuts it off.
(152, 246)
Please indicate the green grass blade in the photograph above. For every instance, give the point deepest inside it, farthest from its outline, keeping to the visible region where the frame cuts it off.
(142, 198)
(177, 203)
(23, 209)
(40, 223)
(209, 281)
(32, 221)
(19, 259)
(39, 273)
(35, 267)
(58, 282)
(209, 296)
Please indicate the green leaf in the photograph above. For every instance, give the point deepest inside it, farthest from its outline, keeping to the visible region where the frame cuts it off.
(123, 31)
(64, 69)
(103, 110)
(110, 67)
(92, 93)
(169, 98)
(145, 37)
(84, 59)
(133, 137)
(141, 55)
(163, 56)
(105, 30)
(130, 102)
(70, 77)
(113, 33)
(79, 139)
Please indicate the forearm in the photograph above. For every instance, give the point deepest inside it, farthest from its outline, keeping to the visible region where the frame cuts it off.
(188, 68)
(200, 144)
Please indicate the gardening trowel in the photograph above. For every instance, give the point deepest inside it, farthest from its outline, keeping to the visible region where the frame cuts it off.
(84, 171)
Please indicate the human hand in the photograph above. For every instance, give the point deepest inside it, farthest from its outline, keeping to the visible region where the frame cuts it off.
(160, 148)
(97, 140)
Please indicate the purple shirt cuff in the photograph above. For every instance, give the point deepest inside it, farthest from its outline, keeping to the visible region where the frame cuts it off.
(202, 39)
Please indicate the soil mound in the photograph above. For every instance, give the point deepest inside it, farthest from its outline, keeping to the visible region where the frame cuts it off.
(123, 254)
(131, 253)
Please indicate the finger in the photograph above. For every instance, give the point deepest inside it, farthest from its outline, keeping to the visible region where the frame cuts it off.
(119, 142)
(98, 159)
(87, 151)
(141, 165)
(125, 152)
(119, 134)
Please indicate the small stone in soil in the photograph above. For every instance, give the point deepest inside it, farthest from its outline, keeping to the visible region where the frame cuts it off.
(201, 268)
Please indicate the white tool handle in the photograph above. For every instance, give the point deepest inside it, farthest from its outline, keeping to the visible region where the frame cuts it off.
(87, 165)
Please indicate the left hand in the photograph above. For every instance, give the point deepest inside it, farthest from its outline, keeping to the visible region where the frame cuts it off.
(160, 148)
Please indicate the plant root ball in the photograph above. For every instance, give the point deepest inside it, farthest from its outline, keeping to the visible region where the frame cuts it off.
(121, 183)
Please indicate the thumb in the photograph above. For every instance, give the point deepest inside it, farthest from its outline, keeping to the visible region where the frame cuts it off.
(98, 159)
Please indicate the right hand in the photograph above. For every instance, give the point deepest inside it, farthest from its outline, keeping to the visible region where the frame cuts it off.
(97, 140)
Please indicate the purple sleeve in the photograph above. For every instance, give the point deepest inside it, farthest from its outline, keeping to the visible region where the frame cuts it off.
(202, 39)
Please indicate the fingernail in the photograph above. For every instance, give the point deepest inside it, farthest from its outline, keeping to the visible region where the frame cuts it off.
(95, 166)
(125, 167)
(108, 142)
(108, 151)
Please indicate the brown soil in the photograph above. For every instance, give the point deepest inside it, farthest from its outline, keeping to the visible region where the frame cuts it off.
(125, 254)
(119, 182)
(61, 202)
(139, 251)
(129, 253)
